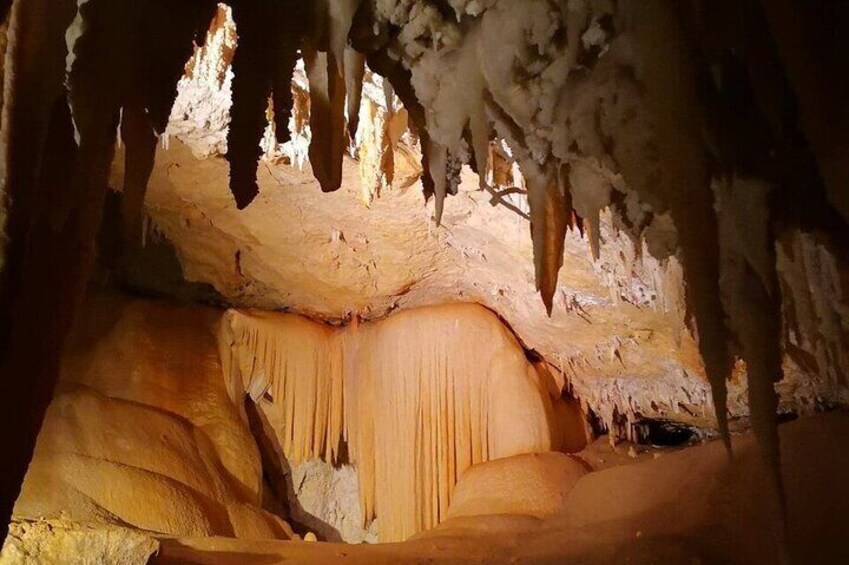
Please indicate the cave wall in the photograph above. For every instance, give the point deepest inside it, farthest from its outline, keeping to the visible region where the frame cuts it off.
(141, 432)
(698, 127)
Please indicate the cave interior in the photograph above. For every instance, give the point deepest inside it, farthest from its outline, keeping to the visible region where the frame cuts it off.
(454, 281)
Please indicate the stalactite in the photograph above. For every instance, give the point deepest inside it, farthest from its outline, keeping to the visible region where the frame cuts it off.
(33, 306)
(340, 15)
(376, 141)
(150, 92)
(419, 398)
(178, 28)
(750, 293)
(592, 192)
(437, 165)
(327, 118)
(355, 68)
(214, 54)
(677, 113)
(548, 203)
(400, 79)
(480, 130)
(140, 141)
(252, 70)
(500, 168)
(286, 42)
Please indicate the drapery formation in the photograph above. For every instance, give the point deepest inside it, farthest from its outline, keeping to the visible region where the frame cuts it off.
(418, 398)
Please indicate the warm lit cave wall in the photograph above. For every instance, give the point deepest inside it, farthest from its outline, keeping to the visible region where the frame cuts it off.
(416, 399)
(701, 130)
(149, 428)
(141, 431)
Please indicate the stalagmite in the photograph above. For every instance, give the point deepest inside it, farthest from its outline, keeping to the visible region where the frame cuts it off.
(535, 484)
(327, 118)
(419, 398)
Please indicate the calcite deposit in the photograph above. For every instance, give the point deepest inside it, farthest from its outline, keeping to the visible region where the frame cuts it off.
(141, 432)
(439, 242)
(417, 399)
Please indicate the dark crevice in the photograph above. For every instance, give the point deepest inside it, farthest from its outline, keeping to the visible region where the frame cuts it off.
(277, 476)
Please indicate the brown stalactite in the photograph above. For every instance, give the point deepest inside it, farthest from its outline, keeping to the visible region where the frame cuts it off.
(265, 58)
(150, 93)
(400, 79)
(177, 27)
(355, 68)
(51, 240)
(252, 81)
(548, 204)
(327, 118)
(290, 15)
(672, 99)
(140, 141)
(756, 321)
(750, 122)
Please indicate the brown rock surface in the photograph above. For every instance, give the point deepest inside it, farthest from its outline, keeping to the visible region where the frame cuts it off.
(141, 432)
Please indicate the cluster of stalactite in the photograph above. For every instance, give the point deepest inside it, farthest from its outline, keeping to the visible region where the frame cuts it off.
(725, 118)
(417, 398)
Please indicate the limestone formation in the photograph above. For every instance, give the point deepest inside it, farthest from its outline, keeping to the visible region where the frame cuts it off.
(536, 485)
(648, 220)
(417, 399)
(141, 432)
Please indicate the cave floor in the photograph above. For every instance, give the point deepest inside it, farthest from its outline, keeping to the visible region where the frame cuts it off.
(694, 505)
